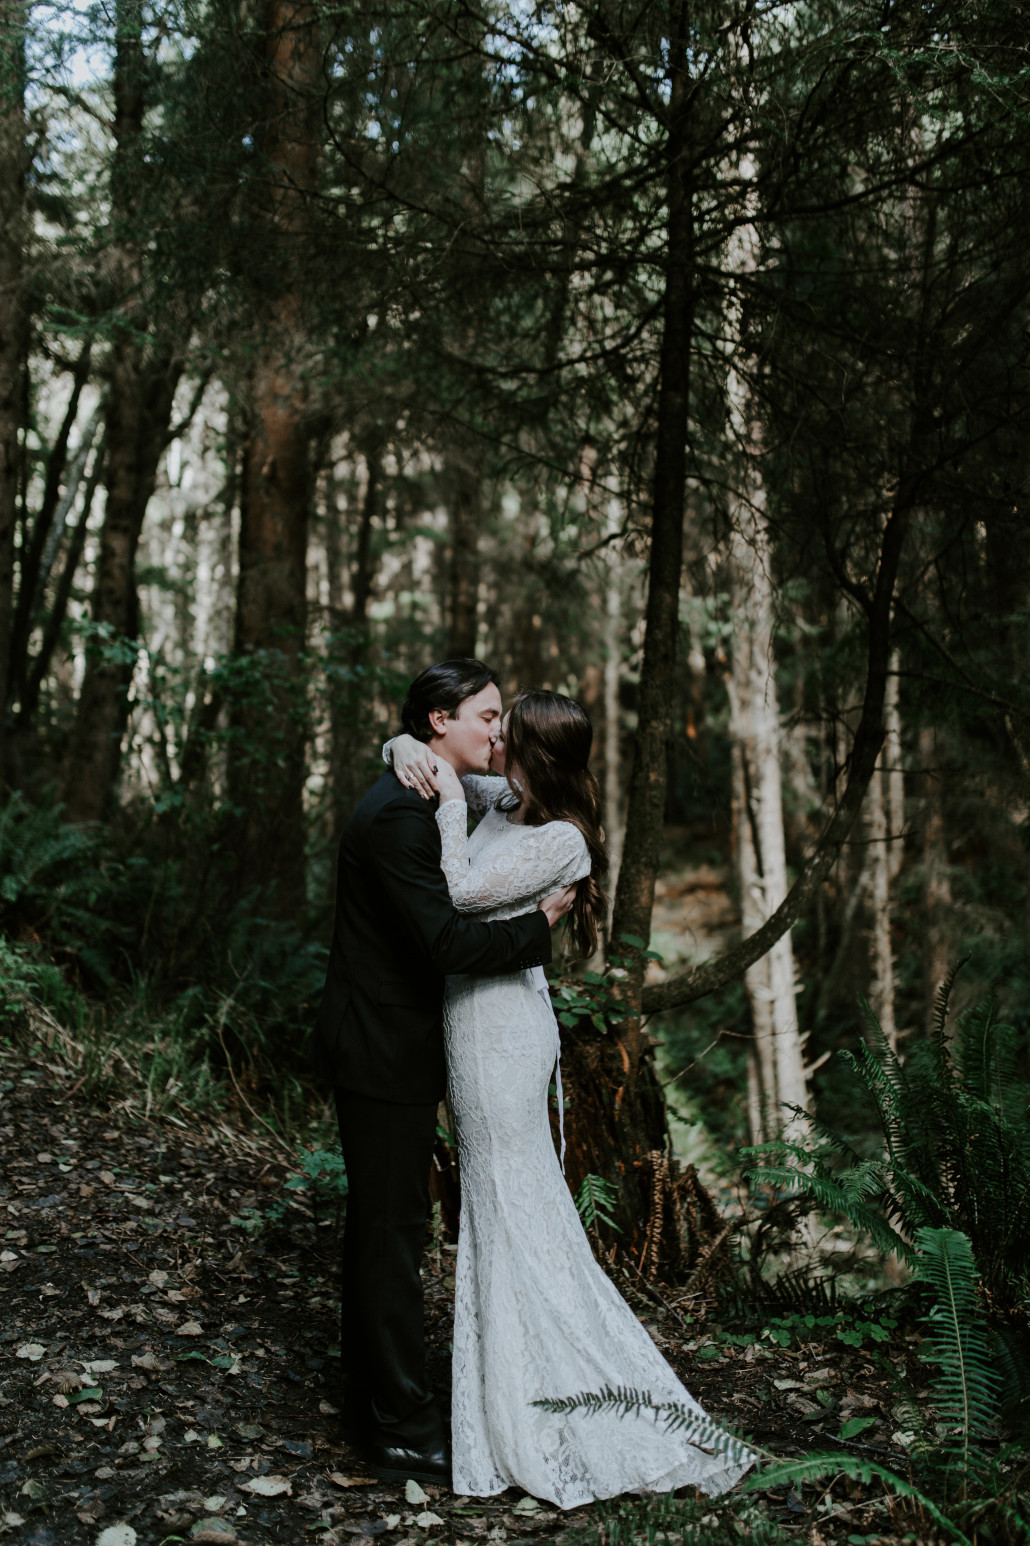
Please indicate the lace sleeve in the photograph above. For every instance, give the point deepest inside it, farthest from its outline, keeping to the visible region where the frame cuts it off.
(388, 751)
(483, 793)
(545, 859)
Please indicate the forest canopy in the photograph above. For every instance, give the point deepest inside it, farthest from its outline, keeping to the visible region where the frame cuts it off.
(674, 357)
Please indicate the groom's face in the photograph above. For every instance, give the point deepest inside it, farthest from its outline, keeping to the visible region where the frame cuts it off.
(468, 738)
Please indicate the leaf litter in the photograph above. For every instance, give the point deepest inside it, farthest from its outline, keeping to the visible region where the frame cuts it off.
(112, 1433)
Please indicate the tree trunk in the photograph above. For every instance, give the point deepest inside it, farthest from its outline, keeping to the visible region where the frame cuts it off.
(270, 723)
(881, 957)
(612, 708)
(350, 708)
(617, 1125)
(13, 322)
(41, 546)
(894, 772)
(141, 390)
(758, 800)
(62, 595)
(463, 589)
(937, 903)
(634, 897)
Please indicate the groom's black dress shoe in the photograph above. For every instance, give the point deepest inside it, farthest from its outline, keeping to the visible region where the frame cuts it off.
(394, 1463)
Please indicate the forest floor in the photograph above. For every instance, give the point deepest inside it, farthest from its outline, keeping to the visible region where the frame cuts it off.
(168, 1359)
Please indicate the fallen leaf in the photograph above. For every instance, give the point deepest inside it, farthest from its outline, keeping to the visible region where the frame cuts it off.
(328, 1410)
(33, 1351)
(214, 1442)
(191, 1436)
(215, 1502)
(100, 1365)
(9, 1256)
(339, 1480)
(789, 1384)
(213, 1530)
(108, 1179)
(33, 1490)
(158, 1278)
(526, 1505)
(856, 1425)
(392, 1521)
(414, 1493)
(268, 1486)
(113, 1315)
(427, 1520)
(117, 1535)
(12, 1520)
(190, 1329)
(150, 1362)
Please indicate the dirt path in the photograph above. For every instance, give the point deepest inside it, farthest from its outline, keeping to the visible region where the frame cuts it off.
(167, 1374)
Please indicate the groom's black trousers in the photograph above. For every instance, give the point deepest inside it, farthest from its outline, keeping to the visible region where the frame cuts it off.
(387, 1150)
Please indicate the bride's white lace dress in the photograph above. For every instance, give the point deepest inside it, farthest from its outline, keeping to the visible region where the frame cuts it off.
(535, 1316)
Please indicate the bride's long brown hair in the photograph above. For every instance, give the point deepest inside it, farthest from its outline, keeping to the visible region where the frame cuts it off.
(547, 750)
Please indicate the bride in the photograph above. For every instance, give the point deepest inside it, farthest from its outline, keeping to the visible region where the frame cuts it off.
(535, 1316)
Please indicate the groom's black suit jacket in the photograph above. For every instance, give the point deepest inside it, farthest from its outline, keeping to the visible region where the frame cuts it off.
(396, 936)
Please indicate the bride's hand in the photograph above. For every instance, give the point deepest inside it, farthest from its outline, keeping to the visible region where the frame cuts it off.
(414, 765)
(445, 781)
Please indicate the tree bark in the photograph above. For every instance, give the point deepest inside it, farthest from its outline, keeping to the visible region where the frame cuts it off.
(463, 589)
(612, 707)
(758, 799)
(62, 595)
(143, 375)
(634, 897)
(865, 749)
(881, 976)
(270, 724)
(937, 903)
(13, 322)
(42, 542)
(617, 1124)
(894, 771)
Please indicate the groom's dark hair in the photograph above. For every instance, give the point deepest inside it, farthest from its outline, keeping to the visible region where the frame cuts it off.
(443, 686)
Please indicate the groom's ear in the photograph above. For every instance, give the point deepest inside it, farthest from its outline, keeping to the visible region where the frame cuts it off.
(437, 721)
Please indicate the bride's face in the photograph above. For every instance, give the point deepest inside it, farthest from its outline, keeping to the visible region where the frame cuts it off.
(497, 756)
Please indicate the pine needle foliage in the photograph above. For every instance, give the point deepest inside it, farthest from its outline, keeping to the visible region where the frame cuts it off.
(956, 1149)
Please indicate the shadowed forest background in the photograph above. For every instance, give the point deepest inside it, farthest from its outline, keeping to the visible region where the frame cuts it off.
(672, 356)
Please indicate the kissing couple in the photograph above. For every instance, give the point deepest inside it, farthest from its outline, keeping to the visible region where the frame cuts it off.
(435, 980)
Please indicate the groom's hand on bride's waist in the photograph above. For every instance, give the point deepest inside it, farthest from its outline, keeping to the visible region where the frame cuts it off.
(555, 906)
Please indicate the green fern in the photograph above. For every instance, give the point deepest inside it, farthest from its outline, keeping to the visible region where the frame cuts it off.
(624, 1401)
(956, 1149)
(597, 1201)
(817, 1468)
(965, 1392)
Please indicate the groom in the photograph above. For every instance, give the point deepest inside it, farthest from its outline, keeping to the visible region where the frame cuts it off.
(379, 1040)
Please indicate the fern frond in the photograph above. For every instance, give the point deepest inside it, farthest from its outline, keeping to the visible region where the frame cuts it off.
(597, 1201)
(814, 1468)
(966, 1390)
(624, 1401)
